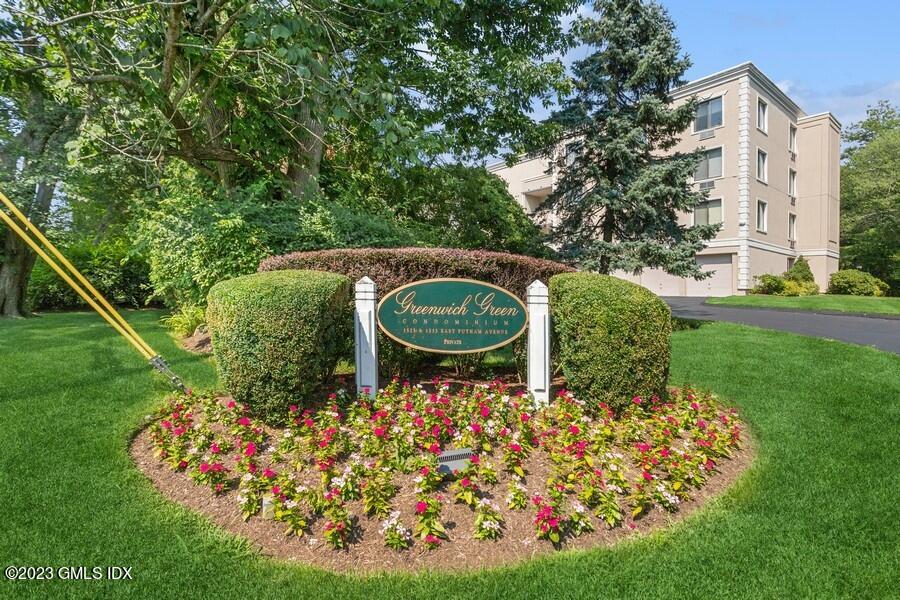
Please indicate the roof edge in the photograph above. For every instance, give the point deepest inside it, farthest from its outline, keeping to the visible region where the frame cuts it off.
(731, 73)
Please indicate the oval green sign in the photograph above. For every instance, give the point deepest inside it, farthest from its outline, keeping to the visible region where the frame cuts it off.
(452, 316)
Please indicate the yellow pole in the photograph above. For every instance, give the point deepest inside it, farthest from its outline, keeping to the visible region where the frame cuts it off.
(148, 353)
(87, 284)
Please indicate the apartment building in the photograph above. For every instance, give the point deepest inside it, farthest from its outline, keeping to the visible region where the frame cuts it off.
(772, 175)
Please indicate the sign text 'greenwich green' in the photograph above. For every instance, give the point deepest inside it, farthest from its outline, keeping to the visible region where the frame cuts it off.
(452, 316)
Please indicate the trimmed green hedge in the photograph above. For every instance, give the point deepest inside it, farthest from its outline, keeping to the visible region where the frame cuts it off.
(278, 336)
(613, 337)
(852, 282)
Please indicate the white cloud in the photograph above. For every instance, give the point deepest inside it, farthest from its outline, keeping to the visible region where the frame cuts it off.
(848, 103)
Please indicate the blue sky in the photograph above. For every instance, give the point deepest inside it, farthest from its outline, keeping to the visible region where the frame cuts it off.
(827, 56)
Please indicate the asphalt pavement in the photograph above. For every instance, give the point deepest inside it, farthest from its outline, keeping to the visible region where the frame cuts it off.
(881, 333)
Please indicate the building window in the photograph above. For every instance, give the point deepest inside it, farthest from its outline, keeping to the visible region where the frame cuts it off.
(792, 139)
(792, 183)
(791, 261)
(708, 212)
(792, 227)
(571, 153)
(709, 114)
(762, 216)
(762, 115)
(762, 165)
(710, 166)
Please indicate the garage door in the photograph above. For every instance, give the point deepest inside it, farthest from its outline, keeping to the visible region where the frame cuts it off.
(717, 284)
(661, 283)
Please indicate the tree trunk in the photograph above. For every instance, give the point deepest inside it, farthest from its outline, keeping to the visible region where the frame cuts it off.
(19, 259)
(14, 273)
(608, 224)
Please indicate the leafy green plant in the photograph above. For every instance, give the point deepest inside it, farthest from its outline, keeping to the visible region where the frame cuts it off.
(278, 336)
(852, 282)
(185, 320)
(799, 271)
(769, 284)
(613, 337)
(112, 266)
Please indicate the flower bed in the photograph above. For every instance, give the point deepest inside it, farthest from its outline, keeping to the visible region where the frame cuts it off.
(355, 484)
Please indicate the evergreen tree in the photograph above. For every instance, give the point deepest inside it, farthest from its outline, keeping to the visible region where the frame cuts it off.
(618, 192)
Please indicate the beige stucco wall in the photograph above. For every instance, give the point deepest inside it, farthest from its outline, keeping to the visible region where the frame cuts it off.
(726, 137)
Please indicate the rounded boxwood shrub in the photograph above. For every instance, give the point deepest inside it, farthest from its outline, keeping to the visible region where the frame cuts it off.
(613, 337)
(278, 336)
(856, 283)
(390, 268)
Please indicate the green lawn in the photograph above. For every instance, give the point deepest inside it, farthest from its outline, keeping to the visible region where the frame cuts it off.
(815, 517)
(851, 304)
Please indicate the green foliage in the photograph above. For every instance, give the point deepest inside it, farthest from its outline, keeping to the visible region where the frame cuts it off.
(198, 235)
(852, 282)
(768, 283)
(800, 272)
(185, 320)
(278, 336)
(796, 281)
(111, 266)
(870, 196)
(451, 206)
(613, 337)
(618, 194)
(324, 224)
(799, 288)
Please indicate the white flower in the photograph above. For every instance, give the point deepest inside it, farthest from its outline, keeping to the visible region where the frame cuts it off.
(291, 504)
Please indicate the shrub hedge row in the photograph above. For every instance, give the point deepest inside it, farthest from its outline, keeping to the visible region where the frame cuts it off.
(278, 336)
(390, 268)
(613, 337)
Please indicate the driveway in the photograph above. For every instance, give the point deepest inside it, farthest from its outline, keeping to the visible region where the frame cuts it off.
(883, 334)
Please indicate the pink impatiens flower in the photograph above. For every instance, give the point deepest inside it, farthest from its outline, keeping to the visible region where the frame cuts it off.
(269, 474)
(421, 507)
(204, 467)
(250, 450)
(244, 421)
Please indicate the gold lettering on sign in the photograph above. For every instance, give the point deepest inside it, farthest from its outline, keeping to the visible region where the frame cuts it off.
(408, 305)
(486, 303)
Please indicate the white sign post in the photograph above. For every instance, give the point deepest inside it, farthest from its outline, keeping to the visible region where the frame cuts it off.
(539, 343)
(366, 337)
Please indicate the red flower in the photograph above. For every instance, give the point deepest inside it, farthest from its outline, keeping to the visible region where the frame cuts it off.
(250, 450)
(178, 431)
(515, 447)
(421, 507)
(204, 467)
(465, 482)
(636, 399)
(695, 406)
(269, 474)
(574, 429)
(476, 428)
(419, 422)
(244, 421)
(292, 408)
(432, 540)
(215, 448)
(183, 464)
(425, 471)
(647, 476)
(434, 448)
(166, 425)
(485, 411)
(475, 459)
(231, 404)
(380, 431)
